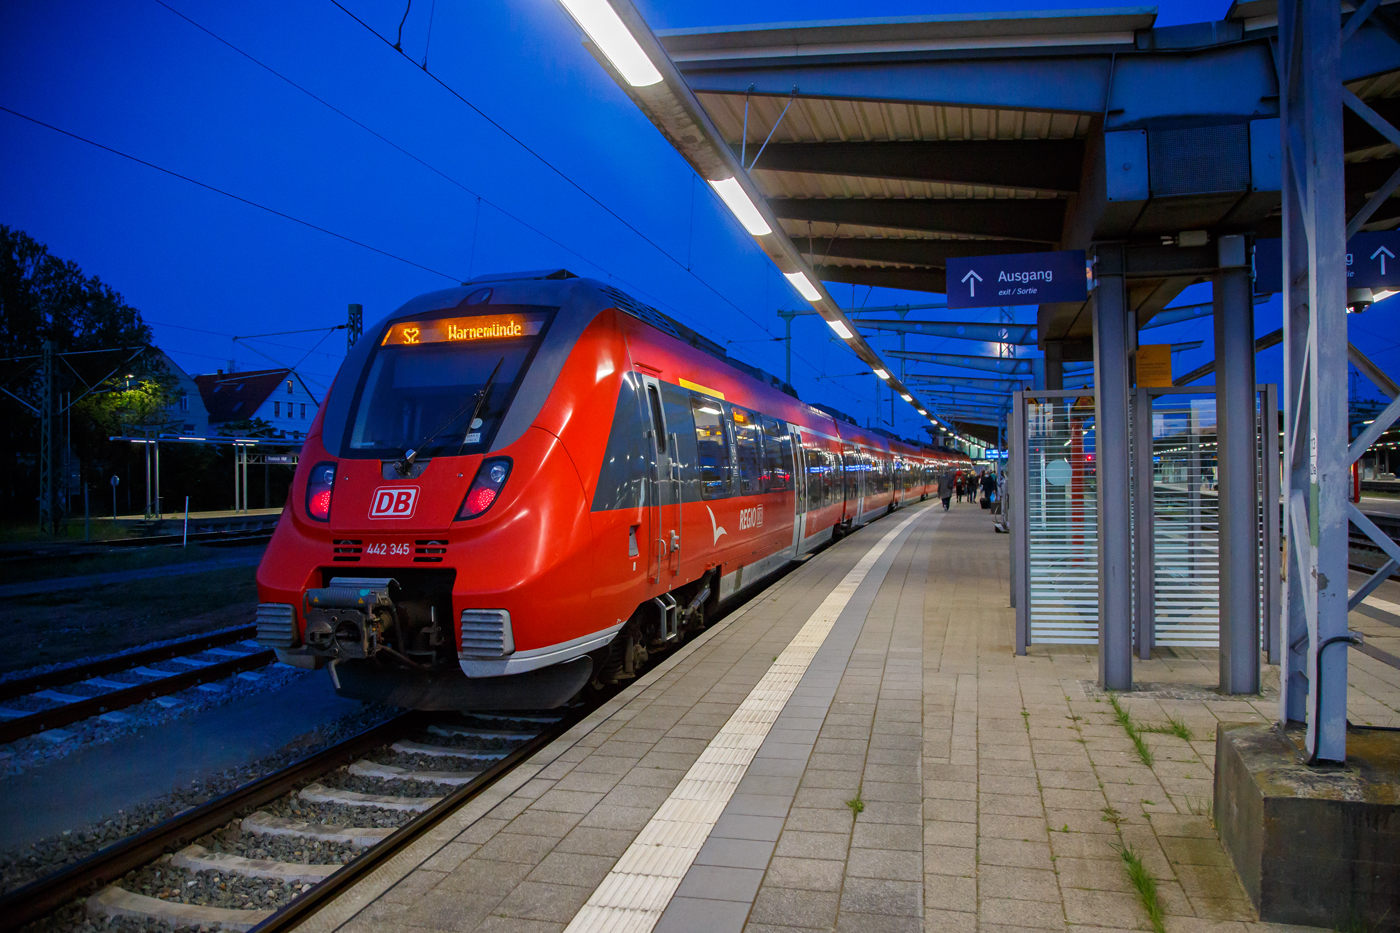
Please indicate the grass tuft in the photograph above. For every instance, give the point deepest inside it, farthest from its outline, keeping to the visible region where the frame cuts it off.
(1145, 885)
(1175, 726)
(1134, 732)
(856, 804)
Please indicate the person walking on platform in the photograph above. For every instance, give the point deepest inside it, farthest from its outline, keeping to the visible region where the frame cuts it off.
(989, 486)
(958, 486)
(945, 489)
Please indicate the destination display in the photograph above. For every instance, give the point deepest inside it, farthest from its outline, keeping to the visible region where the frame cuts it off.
(1016, 279)
(463, 329)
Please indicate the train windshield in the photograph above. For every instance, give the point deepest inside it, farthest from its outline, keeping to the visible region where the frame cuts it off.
(441, 385)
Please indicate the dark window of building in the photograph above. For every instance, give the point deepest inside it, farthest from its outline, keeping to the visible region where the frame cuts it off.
(276, 409)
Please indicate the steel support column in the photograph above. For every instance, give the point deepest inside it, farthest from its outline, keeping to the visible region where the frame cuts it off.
(1144, 518)
(1054, 377)
(1314, 681)
(1112, 342)
(1237, 453)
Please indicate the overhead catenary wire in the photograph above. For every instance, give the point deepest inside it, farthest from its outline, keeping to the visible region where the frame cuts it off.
(480, 199)
(560, 172)
(471, 192)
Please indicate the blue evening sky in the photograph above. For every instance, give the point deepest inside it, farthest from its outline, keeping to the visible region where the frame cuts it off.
(512, 151)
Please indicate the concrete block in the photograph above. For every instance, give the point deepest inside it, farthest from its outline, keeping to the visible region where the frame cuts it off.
(1313, 845)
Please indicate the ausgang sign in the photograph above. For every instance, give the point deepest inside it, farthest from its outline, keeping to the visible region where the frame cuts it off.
(1016, 279)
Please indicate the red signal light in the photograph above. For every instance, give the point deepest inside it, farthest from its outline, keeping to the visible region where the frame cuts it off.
(490, 477)
(319, 486)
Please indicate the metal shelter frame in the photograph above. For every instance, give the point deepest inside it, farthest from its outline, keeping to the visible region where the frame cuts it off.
(1318, 459)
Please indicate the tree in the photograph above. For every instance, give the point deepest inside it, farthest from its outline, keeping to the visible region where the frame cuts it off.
(44, 298)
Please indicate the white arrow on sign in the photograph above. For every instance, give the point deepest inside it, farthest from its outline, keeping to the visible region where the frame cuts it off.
(1382, 252)
(972, 274)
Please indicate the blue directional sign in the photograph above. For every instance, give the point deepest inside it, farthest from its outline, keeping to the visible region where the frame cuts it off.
(1016, 279)
(1371, 262)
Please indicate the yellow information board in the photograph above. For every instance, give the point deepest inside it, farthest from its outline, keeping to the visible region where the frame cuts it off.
(1154, 365)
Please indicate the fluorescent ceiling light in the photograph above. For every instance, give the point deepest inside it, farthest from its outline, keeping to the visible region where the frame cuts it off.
(882, 374)
(804, 286)
(606, 29)
(1382, 294)
(737, 200)
(842, 330)
(906, 396)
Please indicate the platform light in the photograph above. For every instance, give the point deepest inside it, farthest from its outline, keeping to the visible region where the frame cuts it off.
(804, 285)
(882, 374)
(610, 34)
(906, 396)
(842, 330)
(737, 200)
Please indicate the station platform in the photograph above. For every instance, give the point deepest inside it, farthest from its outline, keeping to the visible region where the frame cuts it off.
(858, 748)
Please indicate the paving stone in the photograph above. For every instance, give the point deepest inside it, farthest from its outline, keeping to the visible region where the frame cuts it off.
(807, 874)
(797, 907)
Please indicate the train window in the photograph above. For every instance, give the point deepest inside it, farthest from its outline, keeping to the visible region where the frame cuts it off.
(658, 420)
(711, 447)
(419, 392)
(777, 456)
(626, 462)
(815, 467)
(675, 403)
(748, 443)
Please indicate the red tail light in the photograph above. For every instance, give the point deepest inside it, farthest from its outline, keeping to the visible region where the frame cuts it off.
(485, 487)
(318, 491)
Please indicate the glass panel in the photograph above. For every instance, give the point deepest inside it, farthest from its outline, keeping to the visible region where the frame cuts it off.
(1186, 546)
(1062, 521)
(748, 442)
(712, 447)
(777, 456)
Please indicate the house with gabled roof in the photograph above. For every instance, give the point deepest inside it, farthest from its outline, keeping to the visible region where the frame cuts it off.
(278, 396)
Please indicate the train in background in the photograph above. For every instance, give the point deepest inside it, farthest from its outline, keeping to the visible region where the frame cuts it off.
(532, 483)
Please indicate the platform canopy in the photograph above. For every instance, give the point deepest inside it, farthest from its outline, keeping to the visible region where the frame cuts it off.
(879, 148)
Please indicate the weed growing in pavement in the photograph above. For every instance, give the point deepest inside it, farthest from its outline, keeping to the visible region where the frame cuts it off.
(1175, 726)
(1111, 815)
(1145, 885)
(856, 804)
(1134, 732)
(1026, 718)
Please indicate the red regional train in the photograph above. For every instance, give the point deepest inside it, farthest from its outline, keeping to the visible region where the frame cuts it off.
(530, 483)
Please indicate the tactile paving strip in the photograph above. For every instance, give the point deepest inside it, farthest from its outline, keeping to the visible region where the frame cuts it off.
(635, 893)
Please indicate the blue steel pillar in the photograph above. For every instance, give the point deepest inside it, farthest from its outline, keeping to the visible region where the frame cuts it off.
(1237, 471)
(1316, 467)
(1112, 341)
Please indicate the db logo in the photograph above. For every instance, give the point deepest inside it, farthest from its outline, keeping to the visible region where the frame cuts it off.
(394, 502)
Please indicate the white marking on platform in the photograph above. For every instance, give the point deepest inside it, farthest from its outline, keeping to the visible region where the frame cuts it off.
(635, 893)
(444, 751)
(1384, 605)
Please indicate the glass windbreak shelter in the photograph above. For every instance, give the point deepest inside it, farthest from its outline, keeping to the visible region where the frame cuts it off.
(1176, 546)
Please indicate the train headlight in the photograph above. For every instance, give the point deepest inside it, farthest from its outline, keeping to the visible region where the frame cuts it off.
(490, 477)
(318, 491)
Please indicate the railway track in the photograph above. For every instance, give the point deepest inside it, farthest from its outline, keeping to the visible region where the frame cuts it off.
(270, 853)
(231, 538)
(47, 701)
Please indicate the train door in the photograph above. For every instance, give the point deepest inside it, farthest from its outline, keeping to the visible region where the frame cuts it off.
(860, 463)
(663, 502)
(799, 490)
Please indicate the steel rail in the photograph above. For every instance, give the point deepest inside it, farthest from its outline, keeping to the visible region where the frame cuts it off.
(292, 915)
(11, 689)
(118, 699)
(45, 895)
